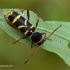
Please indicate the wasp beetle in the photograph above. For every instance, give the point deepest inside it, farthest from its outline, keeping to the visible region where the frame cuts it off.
(19, 22)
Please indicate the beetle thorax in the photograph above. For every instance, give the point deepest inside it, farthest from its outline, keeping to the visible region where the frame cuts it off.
(36, 37)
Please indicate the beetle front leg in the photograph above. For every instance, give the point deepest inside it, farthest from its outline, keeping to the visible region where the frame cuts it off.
(45, 36)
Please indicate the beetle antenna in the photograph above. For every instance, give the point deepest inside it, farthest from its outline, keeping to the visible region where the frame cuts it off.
(53, 31)
(39, 46)
(32, 54)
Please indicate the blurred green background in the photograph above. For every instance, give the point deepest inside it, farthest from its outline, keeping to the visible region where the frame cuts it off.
(48, 10)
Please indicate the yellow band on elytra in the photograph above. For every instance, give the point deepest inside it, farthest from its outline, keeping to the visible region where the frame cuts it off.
(16, 18)
(21, 26)
(9, 13)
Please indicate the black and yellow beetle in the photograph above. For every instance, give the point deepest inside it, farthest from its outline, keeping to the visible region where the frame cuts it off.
(18, 22)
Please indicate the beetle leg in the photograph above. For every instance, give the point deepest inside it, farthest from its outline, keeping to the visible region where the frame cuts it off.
(31, 45)
(7, 21)
(37, 22)
(28, 15)
(45, 36)
(23, 37)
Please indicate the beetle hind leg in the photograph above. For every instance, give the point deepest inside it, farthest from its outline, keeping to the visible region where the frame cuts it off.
(28, 15)
(7, 21)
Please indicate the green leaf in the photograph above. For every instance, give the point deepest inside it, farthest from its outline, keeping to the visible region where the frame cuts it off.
(60, 39)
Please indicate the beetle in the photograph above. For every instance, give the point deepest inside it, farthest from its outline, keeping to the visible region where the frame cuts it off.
(17, 21)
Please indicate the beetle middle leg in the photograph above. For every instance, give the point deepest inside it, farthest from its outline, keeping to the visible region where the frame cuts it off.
(23, 37)
(37, 22)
